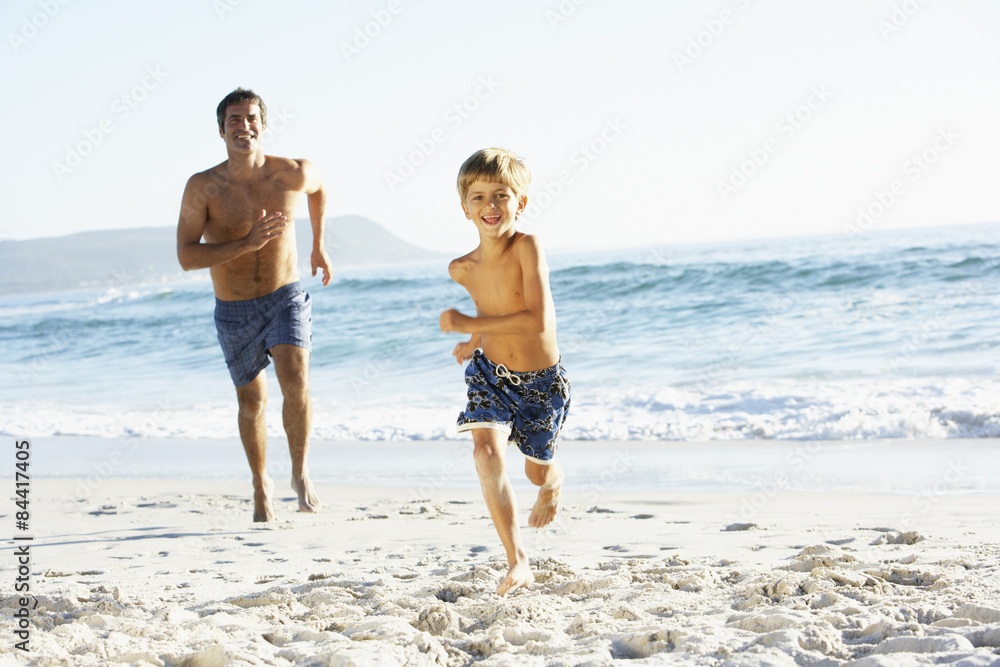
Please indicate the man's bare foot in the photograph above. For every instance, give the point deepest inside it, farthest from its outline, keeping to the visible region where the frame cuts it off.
(547, 504)
(262, 500)
(518, 576)
(308, 501)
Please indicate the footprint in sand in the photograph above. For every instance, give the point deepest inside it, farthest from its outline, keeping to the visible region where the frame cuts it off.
(735, 527)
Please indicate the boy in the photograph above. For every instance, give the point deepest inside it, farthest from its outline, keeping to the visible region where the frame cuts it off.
(518, 391)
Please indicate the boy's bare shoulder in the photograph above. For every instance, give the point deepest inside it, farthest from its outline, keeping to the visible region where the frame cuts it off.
(529, 250)
(460, 267)
(527, 242)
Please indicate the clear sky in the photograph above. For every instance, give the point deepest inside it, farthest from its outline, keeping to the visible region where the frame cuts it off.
(644, 122)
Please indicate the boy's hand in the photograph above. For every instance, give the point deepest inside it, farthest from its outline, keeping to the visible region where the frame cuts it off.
(451, 321)
(463, 351)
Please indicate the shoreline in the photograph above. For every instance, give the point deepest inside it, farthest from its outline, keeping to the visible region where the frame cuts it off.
(910, 467)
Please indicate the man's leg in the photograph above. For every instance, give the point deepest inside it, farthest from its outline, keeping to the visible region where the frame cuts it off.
(253, 432)
(550, 479)
(291, 365)
(490, 457)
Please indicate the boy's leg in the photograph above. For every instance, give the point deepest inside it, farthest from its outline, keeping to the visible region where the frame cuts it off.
(252, 400)
(550, 479)
(291, 365)
(490, 457)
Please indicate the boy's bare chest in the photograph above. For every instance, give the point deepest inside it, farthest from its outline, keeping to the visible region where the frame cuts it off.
(498, 289)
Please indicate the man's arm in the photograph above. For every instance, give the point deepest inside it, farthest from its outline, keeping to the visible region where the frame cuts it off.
(193, 254)
(537, 315)
(316, 197)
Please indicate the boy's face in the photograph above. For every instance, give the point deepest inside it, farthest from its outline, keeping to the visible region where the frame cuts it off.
(493, 207)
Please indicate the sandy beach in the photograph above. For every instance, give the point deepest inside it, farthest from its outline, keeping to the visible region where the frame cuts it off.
(173, 572)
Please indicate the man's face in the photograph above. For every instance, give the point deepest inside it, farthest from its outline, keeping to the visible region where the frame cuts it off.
(242, 127)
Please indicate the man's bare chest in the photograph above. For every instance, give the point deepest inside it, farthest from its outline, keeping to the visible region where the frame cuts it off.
(235, 207)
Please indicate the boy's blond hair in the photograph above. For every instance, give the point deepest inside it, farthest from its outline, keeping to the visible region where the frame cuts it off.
(494, 165)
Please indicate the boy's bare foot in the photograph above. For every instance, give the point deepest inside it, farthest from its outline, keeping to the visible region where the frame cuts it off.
(262, 500)
(547, 503)
(518, 576)
(308, 501)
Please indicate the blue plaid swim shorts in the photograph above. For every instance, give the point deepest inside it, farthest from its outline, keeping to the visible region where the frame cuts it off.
(248, 329)
(530, 407)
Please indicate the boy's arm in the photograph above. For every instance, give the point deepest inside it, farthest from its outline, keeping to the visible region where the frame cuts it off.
(193, 254)
(537, 315)
(463, 351)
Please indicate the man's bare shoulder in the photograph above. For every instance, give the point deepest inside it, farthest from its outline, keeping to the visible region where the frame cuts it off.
(211, 174)
(275, 163)
(294, 173)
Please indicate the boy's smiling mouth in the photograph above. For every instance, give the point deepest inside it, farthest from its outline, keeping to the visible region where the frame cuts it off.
(492, 219)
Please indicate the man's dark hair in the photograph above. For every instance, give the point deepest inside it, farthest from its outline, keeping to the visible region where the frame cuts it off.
(236, 97)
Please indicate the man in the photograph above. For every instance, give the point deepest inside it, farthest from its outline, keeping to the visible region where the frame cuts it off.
(242, 208)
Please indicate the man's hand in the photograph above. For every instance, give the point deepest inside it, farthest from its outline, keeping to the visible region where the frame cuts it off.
(320, 260)
(268, 226)
(452, 320)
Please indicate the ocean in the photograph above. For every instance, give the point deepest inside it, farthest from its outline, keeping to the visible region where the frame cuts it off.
(884, 334)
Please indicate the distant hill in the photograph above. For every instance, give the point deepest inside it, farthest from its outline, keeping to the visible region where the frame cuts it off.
(134, 256)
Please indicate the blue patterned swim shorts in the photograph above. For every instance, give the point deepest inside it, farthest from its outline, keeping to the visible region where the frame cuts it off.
(530, 407)
(248, 329)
